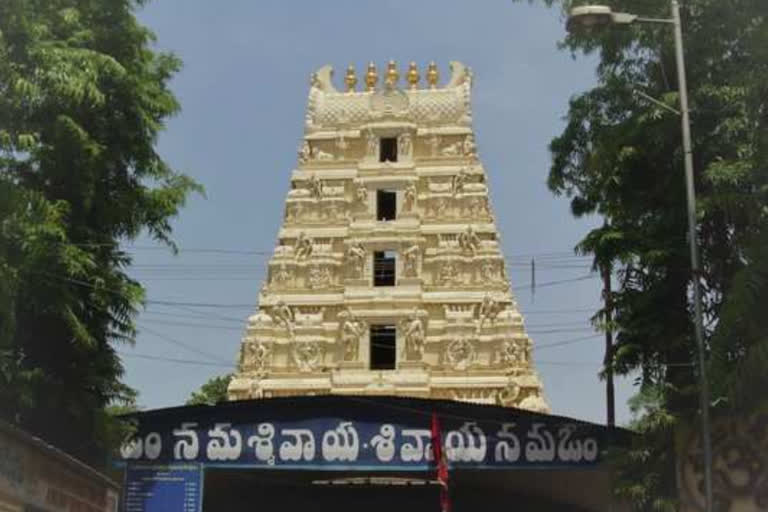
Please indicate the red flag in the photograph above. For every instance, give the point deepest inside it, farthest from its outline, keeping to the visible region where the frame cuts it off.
(442, 466)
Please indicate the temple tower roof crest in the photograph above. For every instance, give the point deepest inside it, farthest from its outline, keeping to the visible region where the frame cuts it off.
(329, 108)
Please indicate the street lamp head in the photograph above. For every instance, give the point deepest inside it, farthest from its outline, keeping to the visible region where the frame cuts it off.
(589, 16)
(596, 16)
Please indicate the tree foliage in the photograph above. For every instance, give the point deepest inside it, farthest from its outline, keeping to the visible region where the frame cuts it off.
(620, 157)
(212, 392)
(82, 99)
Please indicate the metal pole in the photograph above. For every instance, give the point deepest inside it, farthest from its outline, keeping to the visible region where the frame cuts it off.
(610, 401)
(693, 243)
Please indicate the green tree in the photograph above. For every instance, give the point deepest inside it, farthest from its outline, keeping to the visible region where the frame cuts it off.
(82, 100)
(212, 392)
(620, 157)
(118, 428)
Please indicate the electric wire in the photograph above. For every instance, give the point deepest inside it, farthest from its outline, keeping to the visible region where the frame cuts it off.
(540, 346)
(234, 366)
(577, 325)
(178, 343)
(565, 254)
(185, 304)
(196, 325)
(221, 305)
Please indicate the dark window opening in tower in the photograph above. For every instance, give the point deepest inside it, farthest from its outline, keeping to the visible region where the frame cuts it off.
(388, 149)
(383, 347)
(384, 268)
(386, 204)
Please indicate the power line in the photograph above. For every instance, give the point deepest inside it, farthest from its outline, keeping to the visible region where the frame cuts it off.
(565, 342)
(249, 270)
(207, 313)
(234, 366)
(235, 306)
(242, 328)
(554, 331)
(555, 283)
(218, 279)
(189, 324)
(200, 250)
(252, 306)
(555, 311)
(175, 360)
(176, 342)
(175, 263)
(569, 363)
(148, 301)
(200, 304)
(198, 315)
(566, 254)
(576, 325)
(227, 269)
(573, 323)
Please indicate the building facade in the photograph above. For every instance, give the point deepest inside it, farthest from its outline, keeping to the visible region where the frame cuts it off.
(38, 477)
(388, 277)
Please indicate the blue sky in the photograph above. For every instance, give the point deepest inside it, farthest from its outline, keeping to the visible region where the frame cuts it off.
(243, 92)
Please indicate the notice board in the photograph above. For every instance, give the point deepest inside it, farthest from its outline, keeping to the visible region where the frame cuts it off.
(167, 488)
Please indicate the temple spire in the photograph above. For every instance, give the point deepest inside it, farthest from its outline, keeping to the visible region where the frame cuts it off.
(388, 276)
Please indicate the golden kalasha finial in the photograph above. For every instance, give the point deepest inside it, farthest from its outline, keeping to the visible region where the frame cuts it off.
(393, 75)
(371, 77)
(432, 75)
(413, 75)
(350, 79)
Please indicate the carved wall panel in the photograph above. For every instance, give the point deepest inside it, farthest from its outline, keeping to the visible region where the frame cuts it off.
(460, 354)
(256, 357)
(464, 271)
(307, 355)
(312, 274)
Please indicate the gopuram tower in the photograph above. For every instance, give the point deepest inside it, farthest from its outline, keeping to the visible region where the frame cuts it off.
(388, 276)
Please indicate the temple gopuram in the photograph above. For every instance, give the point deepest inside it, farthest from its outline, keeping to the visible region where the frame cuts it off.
(388, 277)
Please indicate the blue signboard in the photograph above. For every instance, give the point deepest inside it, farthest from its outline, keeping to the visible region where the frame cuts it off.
(373, 434)
(153, 488)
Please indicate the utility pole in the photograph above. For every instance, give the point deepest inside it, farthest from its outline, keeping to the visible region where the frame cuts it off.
(590, 15)
(610, 400)
(695, 263)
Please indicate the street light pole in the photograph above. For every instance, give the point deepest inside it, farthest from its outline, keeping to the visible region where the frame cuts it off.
(694, 248)
(597, 15)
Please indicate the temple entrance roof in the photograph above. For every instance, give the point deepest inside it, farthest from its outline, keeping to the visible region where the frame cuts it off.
(326, 449)
(380, 432)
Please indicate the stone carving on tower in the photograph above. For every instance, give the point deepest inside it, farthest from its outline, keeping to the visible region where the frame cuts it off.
(388, 276)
